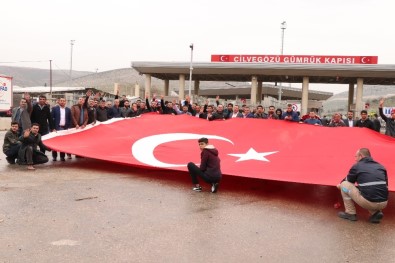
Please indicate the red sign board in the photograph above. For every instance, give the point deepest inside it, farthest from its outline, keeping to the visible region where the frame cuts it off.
(295, 59)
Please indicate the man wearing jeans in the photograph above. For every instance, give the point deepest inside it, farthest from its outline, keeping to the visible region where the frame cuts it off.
(371, 192)
(210, 168)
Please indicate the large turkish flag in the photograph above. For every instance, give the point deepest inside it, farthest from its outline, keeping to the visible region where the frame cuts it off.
(256, 148)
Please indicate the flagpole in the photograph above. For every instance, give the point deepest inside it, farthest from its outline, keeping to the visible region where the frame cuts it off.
(71, 61)
(283, 27)
(50, 77)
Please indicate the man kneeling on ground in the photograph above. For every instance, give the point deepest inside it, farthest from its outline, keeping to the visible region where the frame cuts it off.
(210, 169)
(28, 153)
(371, 192)
(11, 144)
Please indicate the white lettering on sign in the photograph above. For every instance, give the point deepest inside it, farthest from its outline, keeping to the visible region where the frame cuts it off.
(299, 59)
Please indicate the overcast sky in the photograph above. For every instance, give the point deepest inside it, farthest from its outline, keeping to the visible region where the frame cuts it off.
(110, 34)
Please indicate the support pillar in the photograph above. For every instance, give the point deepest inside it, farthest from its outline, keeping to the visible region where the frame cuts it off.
(116, 88)
(166, 89)
(259, 92)
(350, 95)
(181, 90)
(358, 99)
(136, 90)
(147, 86)
(196, 87)
(254, 88)
(305, 96)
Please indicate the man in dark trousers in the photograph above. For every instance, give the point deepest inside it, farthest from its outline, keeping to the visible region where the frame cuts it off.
(210, 168)
(389, 121)
(371, 191)
(41, 114)
(61, 116)
(11, 143)
(22, 113)
(28, 153)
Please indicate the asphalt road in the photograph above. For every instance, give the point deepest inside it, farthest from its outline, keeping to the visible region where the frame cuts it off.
(85, 210)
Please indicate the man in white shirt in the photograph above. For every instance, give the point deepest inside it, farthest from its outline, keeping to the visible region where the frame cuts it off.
(350, 119)
(61, 116)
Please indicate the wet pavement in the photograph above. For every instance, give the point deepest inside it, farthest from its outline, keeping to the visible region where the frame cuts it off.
(84, 210)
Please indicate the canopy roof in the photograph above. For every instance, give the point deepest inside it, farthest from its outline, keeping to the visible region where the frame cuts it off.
(375, 74)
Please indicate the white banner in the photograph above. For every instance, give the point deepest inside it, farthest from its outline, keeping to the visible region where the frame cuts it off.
(387, 111)
(296, 107)
(5, 93)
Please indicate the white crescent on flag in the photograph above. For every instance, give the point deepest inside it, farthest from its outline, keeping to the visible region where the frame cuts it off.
(143, 149)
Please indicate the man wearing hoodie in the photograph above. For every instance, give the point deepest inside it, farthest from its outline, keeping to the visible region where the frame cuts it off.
(210, 168)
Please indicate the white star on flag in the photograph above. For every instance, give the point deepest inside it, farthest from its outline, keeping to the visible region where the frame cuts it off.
(251, 154)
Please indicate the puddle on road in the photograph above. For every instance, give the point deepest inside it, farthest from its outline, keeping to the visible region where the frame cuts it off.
(65, 242)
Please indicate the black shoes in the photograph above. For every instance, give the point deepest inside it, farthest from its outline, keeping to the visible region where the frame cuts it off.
(197, 188)
(62, 159)
(10, 160)
(347, 216)
(214, 187)
(376, 217)
(54, 160)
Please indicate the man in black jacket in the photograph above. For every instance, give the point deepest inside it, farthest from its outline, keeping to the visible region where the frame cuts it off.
(41, 114)
(28, 153)
(389, 121)
(11, 143)
(364, 121)
(372, 190)
(210, 168)
(167, 107)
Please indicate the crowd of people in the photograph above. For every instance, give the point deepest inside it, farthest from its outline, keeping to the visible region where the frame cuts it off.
(89, 109)
(366, 183)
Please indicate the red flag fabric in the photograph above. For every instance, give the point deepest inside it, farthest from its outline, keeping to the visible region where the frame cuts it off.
(256, 148)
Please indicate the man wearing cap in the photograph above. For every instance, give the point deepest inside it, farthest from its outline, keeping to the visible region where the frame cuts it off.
(390, 122)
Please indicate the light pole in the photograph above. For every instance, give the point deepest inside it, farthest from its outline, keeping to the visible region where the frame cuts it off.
(71, 60)
(50, 77)
(283, 27)
(190, 71)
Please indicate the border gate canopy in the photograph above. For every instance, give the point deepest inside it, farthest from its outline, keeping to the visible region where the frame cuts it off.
(372, 74)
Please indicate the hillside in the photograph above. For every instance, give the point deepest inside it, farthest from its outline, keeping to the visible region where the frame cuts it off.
(128, 77)
(125, 77)
(371, 94)
(28, 77)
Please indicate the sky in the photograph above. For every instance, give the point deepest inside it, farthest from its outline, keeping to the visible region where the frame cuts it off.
(111, 34)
